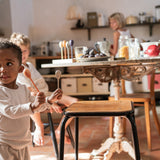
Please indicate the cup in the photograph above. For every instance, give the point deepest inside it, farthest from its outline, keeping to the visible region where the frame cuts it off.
(79, 51)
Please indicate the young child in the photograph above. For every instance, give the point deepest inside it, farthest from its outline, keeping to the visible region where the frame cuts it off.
(16, 105)
(117, 24)
(24, 43)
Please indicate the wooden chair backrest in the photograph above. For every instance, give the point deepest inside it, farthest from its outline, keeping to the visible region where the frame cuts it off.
(152, 82)
(123, 87)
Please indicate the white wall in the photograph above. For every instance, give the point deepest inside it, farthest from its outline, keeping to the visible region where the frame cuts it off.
(44, 20)
(5, 18)
(21, 14)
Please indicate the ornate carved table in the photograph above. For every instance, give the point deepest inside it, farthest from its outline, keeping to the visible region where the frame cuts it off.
(115, 70)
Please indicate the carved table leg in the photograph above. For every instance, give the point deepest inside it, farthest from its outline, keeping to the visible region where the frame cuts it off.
(105, 146)
(127, 147)
(118, 143)
(118, 147)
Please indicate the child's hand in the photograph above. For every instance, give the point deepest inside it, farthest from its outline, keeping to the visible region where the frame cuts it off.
(55, 96)
(33, 91)
(39, 100)
(57, 108)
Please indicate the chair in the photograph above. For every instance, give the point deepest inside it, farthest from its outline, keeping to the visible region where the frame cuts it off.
(141, 99)
(98, 108)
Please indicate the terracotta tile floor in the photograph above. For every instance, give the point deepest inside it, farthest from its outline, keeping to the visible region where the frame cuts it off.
(93, 131)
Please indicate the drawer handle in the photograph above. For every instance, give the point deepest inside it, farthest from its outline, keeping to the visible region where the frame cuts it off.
(69, 85)
(156, 82)
(140, 82)
(84, 84)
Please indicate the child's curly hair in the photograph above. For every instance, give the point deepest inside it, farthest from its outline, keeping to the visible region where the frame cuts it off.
(20, 39)
(6, 44)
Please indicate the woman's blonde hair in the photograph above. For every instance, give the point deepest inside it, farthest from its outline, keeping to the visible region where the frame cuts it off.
(119, 17)
(20, 39)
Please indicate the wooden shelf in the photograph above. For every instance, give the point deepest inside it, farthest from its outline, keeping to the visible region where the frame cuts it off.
(128, 25)
(46, 57)
(69, 75)
(87, 93)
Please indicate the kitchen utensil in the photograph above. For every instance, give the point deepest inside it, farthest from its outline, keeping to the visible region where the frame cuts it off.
(58, 76)
(93, 59)
(61, 46)
(96, 47)
(132, 20)
(71, 42)
(67, 46)
(145, 45)
(27, 74)
(44, 49)
(79, 51)
(101, 19)
(157, 9)
(134, 48)
(152, 50)
(103, 46)
(142, 16)
(65, 51)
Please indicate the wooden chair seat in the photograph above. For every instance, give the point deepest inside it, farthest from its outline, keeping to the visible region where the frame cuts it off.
(147, 100)
(98, 108)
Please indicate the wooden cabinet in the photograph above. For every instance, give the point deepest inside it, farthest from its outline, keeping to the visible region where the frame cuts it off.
(71, 78)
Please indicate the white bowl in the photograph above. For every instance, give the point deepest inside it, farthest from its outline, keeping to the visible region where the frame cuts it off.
(145, 45)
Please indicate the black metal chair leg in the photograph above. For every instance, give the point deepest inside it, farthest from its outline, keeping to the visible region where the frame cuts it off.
(52, 132)
(76, 137)
(61, 148)
(135, 136)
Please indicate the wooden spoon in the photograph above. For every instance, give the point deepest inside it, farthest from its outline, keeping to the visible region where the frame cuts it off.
(27, 74)
(58, 76)
(67, 46)
(71, 42)
(65, 51)
(61, 46)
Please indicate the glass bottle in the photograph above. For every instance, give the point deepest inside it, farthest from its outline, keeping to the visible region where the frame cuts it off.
(123, 46)
(134, 48)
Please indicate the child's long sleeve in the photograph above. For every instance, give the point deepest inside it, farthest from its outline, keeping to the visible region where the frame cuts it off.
(15, 103)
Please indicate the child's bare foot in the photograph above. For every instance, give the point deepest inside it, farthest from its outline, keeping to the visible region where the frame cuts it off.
(38, 137)
(67, 139)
